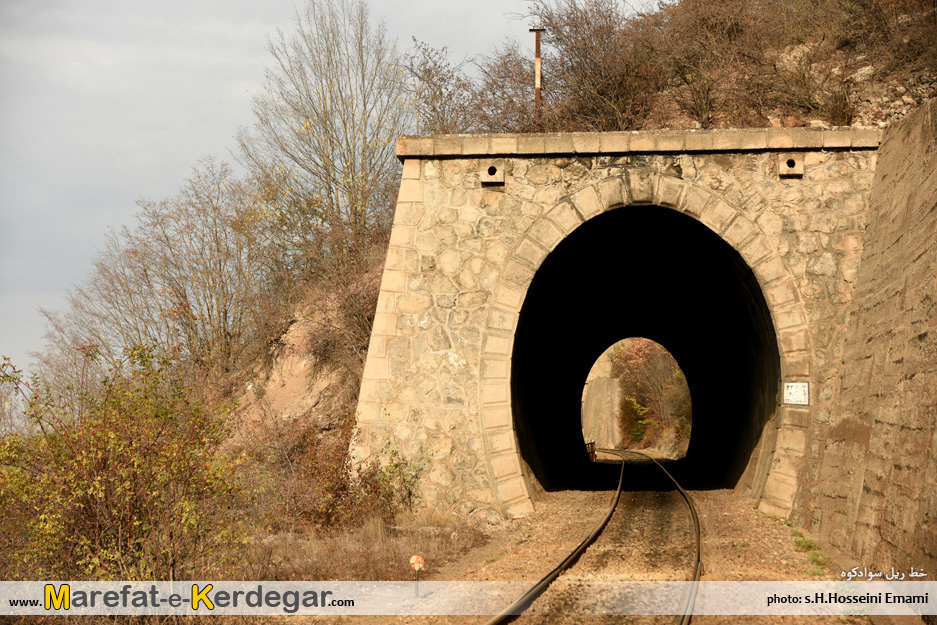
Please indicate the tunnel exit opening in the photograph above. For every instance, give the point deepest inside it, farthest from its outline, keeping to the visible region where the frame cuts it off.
(648, 272)
(636, 397)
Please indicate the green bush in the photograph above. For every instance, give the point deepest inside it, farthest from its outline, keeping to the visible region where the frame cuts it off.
(134, 487)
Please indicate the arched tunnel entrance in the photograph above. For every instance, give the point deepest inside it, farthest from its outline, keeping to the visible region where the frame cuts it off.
(653, 272)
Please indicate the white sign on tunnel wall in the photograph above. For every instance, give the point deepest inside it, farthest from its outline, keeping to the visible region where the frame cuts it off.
(797, 393)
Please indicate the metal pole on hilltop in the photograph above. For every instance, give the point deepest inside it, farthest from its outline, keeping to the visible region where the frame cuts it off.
(537, 64)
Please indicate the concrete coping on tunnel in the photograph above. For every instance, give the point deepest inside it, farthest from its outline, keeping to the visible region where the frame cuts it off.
(638, 142)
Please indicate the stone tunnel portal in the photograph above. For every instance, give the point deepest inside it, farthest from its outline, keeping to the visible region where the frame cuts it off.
(653, 272)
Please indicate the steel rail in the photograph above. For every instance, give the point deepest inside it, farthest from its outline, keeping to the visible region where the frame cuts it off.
(537, 589)
(698, 565)
(528, 597)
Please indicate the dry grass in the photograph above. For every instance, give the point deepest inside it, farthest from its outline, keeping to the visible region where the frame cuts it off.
(374, 551)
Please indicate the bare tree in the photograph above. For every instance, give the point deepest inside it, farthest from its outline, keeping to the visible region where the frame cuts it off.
(440, 92)
(184, 281)
(503, 94)
(703, 46)
(602, 77)
(333, 103)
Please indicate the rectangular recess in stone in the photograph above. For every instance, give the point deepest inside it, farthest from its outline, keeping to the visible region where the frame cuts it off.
(791, 165)
(491, 172)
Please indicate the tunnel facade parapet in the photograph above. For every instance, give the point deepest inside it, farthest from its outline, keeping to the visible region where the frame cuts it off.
(477, 218)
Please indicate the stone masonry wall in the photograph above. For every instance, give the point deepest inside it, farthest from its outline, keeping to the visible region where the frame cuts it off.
(876, 496)
(436, 383)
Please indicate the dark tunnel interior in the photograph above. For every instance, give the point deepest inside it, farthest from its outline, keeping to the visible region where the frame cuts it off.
(652, 272)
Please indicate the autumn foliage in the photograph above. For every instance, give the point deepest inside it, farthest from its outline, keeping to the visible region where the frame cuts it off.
(132, 487)
(654, 401)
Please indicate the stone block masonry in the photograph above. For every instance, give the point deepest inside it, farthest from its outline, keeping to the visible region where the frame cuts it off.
(875, 491)
(437, 383)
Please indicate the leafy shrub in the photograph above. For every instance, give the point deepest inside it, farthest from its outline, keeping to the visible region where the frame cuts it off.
(134, 488)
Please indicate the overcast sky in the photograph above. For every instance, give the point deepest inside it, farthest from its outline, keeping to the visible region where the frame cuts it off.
(103, 102)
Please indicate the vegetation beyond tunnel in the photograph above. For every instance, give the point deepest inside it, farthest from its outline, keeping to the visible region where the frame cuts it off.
(652, 272)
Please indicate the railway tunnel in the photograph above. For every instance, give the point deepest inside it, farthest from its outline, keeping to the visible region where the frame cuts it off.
(652, 272)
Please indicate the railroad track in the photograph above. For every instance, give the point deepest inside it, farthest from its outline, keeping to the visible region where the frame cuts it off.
(538, 589)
